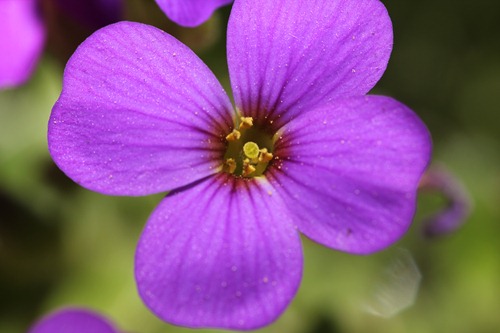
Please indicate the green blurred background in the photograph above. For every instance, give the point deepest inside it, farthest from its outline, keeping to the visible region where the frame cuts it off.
(63, 245)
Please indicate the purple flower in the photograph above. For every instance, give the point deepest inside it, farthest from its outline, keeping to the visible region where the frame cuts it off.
(190, 13)
(22, 32)
(22, 36)
(73, 320)
(303, 150)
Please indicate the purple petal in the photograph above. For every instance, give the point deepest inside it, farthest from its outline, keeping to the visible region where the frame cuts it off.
(220, 254)
(94, 14)
(190, 13)
(287, 56)
(139, 113)
(22, 37)
(349, 172)
(73, 320)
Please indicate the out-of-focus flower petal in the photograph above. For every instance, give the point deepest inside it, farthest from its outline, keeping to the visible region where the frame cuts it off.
(349, 172)
(22, 36)
(190, 13)
(220, 254)
(139, 113)
(288, 56)
(454, 215)
(73, 320)
(94, 14)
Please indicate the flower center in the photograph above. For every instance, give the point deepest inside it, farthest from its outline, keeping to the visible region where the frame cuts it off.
(249, 150)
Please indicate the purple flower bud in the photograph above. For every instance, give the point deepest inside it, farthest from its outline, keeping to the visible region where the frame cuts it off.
(457, 210)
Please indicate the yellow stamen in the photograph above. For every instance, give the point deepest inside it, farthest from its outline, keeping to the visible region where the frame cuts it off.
(246, 122)
(233, 136)
(265, 156)
(247, 169)
(230, 165)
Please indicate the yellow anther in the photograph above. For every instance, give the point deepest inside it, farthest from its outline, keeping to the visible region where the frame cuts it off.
(265, 156)
(233, 136)
(251, 150)
(246, 122)
(247, 169)
(230, 165)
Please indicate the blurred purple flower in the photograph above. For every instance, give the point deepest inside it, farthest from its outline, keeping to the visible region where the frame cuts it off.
(22, 36)
(140, 113)
(190, 13)
(22, 32)
(93, 14)
(73, 320)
